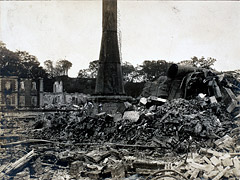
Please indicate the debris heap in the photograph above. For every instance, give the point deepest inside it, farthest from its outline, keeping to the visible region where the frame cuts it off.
(172, 125)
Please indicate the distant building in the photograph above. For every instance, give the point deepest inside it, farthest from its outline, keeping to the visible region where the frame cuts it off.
(68, 90)
(20, 92)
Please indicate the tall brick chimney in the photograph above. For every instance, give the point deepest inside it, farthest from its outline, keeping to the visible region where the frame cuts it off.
(109, 78)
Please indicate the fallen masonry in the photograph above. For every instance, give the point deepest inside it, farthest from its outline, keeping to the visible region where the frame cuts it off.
(185, 139)
(172, 126)
(152, 138)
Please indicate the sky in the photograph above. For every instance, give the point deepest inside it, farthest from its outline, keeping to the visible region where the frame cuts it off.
(150, 30)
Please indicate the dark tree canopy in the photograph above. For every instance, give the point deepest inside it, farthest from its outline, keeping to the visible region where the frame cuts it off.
(31, 65)
(150, 70)
(63, 66)
(60, 69)
(199, 62)
(153, 69)
(91, 71)
(9, 62)
(48, 65)
(19, 63)
(127, 69)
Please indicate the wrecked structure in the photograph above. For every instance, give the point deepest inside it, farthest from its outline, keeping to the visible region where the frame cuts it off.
(188, 130)
(17, 93)
(65, 94)
(186, 127)
(186, 139)
(188, 82)
(196, 137)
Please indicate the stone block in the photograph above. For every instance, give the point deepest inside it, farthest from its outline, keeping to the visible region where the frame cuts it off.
(213, 174)
(194, 174)
(215, 161)
(143, 101)
(207, 160)
(236, 162)
(236, 172)
(75, 168)
(229, 96)
(225, 141)
(198, 166)
(205, 176)
(227, 162)
(213, 99)
(209, 151)
(117, 117)
(221, 174)
(225, 156)
(229, 174)
(131, 115)
(232, 106)
(209, 168)
(220, 168)
(118, 171)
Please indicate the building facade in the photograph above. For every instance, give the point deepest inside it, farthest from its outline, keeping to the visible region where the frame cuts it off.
(17, 93)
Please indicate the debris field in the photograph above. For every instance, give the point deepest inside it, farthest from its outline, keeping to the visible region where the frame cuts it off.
(154, 138)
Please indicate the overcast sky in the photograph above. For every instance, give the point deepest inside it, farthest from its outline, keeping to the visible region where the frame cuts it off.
(150, 30)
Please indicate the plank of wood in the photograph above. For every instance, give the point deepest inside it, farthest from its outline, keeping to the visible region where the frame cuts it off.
(20, 162)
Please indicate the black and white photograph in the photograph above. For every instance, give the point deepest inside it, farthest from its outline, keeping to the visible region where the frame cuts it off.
(119, 90)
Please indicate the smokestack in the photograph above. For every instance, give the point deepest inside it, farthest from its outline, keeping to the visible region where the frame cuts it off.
(109, 78)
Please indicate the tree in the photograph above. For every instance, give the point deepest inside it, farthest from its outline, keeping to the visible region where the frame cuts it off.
(93, 68)
(19, 63)
(127, 71)
(30, 65)
(9, 62)
(62, 66)
(91, 71)
(127, 68)
(153, 69)
(83, 73)
(48, 64)
(199, 62)
(59, 69)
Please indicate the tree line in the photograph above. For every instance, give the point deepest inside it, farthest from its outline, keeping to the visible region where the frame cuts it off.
(25, 65)
(149, 70)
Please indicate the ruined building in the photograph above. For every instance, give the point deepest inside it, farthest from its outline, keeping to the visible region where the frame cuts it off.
(20, 92)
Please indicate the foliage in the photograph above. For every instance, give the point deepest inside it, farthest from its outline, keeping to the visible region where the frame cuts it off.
(60, 69)
(127, 69)
(151, 70)
(93, 68)
(199, 62)
(30, 64)
(19, 63)
(48, 64)
(9, 62)
(83, 73)
(91, 71)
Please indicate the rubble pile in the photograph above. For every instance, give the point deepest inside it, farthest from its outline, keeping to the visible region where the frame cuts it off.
(172, 125)
(147, 141)
(54, 160)
(195, 137)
